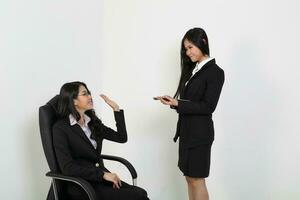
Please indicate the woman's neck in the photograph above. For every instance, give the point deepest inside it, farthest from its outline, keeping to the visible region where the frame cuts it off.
(81, 121)
(203, 58)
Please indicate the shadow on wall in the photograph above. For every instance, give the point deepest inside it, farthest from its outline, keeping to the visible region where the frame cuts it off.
(35, 163)
(158, 155)
(251, 125)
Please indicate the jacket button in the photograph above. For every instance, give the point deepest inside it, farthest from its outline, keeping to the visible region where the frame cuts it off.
(97, 165)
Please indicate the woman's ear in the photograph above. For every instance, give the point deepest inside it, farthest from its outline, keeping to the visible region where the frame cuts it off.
(75, 102)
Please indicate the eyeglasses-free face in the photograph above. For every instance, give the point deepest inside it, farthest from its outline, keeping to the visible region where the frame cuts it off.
(192, 51)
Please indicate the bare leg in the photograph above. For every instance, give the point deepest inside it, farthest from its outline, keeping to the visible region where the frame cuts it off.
(191, 197)
(197, 188)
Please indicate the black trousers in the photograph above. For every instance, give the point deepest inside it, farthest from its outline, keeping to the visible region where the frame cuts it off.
(105, 191)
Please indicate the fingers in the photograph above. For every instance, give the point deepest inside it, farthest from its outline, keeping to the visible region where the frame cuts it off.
(114, 178)
(116, 186)
(167, 97)
(110, 102)
(160, 98)
(167, 100)
(120, 182)
(164, 101)
(116, 182)
(104, 97)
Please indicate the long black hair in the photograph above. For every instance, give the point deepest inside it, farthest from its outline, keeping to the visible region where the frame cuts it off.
(197, 37)
(69, 92)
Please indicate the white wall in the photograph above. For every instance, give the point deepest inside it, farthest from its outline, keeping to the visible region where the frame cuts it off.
(129, 50)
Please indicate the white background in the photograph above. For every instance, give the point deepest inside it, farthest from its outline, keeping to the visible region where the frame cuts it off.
(129, 50)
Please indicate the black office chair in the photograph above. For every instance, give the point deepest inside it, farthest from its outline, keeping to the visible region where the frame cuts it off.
(48, 115)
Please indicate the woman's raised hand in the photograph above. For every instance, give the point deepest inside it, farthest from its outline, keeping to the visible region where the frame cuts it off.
(110, 102)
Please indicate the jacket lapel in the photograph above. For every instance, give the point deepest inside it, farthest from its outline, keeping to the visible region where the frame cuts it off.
(213, 61)
(78, 131)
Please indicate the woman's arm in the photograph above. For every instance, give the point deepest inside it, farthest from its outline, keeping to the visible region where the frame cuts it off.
(205, 106)
(121, 134)
(208, 104)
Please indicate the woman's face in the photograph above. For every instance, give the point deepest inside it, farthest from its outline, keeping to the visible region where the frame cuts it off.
(84, 100)
(192, 51)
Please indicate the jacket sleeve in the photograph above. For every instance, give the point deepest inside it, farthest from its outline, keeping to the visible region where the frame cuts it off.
(208, 104)
(67, 164)
(121, 134)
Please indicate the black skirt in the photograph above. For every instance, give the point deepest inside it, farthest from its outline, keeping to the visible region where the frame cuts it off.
(195, 162)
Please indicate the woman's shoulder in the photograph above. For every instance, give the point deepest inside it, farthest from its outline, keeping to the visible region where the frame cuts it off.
(61, 123)
(215, 68)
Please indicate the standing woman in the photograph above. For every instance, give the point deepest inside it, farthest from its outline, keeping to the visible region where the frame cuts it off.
(77, 140)
(195, 100)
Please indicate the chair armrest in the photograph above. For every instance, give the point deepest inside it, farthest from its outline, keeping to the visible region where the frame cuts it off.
(81, 182)
(124, 162)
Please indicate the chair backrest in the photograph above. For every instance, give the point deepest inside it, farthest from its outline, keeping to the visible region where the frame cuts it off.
(48, 115)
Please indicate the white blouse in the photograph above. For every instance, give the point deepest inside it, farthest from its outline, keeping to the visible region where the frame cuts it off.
(85, 128)
(198, 66)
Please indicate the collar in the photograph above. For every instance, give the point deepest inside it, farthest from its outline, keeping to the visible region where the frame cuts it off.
(73, 121)
(199, 65)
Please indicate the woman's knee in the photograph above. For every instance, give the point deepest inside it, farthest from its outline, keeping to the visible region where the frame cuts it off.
(138, 193)
(142, 194)
(195, 182)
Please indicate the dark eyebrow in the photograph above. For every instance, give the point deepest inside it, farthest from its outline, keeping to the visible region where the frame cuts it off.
(86, 92)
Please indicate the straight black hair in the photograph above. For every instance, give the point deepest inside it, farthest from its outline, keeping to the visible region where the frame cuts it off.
(197, 37)
(69, 92)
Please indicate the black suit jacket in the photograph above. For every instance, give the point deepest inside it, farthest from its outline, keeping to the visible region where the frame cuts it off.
(76, 155)
(199, 100)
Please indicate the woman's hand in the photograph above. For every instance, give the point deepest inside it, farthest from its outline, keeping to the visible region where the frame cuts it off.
(112, 177)
(110, 102)
(167, 100)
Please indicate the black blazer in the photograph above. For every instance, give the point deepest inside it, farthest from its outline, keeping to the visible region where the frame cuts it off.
(199, 100)
(76, 155)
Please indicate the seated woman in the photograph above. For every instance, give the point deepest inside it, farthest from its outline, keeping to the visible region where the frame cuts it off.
(77, 140)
